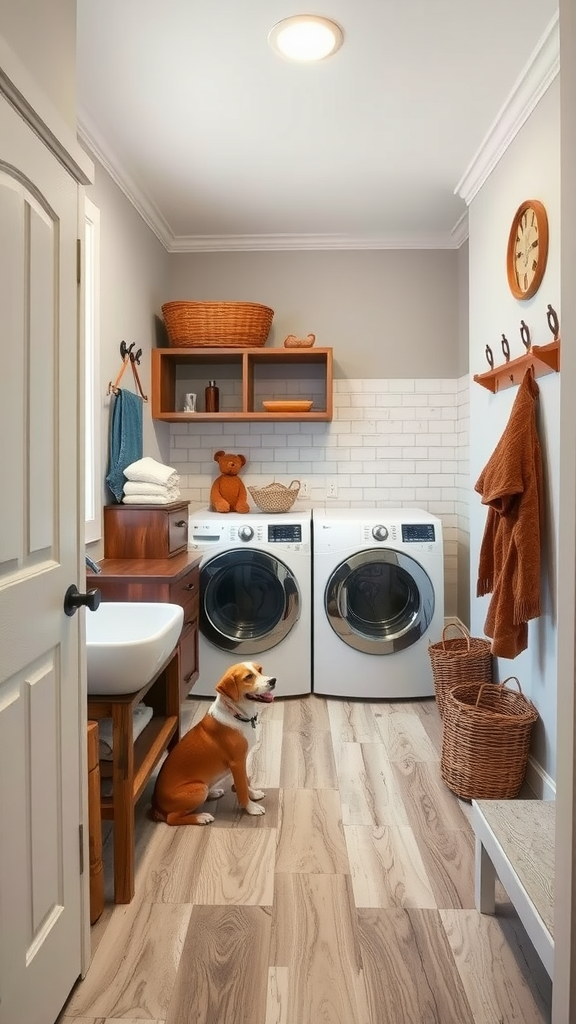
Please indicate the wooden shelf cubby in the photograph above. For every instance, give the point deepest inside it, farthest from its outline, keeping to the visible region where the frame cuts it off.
(250, 375)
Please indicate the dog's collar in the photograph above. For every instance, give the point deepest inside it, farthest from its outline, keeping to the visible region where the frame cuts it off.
(234, 710)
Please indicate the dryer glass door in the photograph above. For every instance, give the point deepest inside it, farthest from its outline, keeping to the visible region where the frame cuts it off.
(250, 601)
(379, 601)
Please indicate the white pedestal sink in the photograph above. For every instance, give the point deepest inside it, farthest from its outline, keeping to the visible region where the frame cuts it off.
(127, 643)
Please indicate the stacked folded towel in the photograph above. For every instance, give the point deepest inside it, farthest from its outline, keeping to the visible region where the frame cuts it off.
(140, 716)
(150, 483)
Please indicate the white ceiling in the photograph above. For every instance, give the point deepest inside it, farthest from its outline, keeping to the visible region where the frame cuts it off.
(221, 144)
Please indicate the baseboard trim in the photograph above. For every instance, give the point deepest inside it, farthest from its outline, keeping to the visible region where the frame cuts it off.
(542, 785)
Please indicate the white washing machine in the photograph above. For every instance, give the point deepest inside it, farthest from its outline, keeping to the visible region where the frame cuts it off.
(255, 596)
(378, 585)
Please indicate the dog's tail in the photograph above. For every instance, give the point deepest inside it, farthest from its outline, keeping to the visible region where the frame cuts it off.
(155, 815)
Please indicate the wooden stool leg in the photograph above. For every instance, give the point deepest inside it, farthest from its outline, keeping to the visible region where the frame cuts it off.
(123, 796)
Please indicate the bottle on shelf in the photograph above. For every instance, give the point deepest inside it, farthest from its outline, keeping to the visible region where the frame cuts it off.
(212, 397)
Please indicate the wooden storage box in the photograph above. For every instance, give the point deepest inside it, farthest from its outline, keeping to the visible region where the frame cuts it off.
(145, 531)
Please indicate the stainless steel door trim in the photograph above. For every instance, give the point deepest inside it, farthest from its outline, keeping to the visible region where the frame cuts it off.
(362, 579)
(247, 616)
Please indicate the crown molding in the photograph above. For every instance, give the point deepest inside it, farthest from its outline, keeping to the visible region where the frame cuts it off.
(536, 77)
(459, 232)
(289, 243)
(89, 135)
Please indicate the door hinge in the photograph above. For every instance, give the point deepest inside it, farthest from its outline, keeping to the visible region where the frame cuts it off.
(78, 260)
(81, 837)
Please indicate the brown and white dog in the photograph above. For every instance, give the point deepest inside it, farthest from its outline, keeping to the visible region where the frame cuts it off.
(213, 749)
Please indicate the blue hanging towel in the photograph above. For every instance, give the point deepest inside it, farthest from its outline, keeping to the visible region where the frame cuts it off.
(126, 443)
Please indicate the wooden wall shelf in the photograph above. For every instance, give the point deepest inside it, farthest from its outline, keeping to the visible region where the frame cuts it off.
(179, 370)
(543, 358)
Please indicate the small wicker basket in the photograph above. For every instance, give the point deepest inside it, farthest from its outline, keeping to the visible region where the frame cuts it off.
(463, 659)
(217, 324)
(275, 497)
(486, 740)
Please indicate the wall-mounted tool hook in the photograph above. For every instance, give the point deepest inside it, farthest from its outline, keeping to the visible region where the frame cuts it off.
(125, 349)
(552, 318)
(525, 335)
(505, 348)
(135, 356)
(489, 356)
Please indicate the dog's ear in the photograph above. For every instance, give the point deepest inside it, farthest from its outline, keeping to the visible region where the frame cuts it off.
(228, 685)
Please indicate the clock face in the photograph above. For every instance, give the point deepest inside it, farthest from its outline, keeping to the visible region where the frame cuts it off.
(527, 249)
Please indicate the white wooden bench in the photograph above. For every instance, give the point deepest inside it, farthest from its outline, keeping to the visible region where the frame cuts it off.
(515, 841)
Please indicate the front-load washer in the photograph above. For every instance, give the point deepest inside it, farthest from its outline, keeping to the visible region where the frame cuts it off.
(255, 596)
(378, 585)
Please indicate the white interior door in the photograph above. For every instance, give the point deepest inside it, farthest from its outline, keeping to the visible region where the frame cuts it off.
(41, 765)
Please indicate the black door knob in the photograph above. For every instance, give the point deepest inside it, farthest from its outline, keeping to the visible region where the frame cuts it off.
(73, 600)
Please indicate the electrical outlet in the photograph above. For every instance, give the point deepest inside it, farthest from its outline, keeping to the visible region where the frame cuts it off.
(331, 488)
(304, 491)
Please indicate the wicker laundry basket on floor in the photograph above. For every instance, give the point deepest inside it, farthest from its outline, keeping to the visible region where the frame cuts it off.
(486, 740)
(462, 659)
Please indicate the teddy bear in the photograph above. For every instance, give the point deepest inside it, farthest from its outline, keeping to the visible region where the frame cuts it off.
(228, 493)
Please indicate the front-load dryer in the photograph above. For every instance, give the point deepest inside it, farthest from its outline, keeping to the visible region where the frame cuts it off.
(378, 585)
(255, 596)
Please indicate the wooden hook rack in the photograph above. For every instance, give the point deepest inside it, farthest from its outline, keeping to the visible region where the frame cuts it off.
(542, 358)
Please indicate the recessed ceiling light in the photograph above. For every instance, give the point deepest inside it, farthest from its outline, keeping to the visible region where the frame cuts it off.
(306, 37)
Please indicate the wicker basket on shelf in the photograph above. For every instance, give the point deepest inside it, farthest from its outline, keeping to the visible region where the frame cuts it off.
(462, 659)
(217, 324)
(486, 740)
(275, 497)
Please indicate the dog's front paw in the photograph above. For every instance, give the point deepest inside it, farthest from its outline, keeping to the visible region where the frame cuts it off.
(252, 808)
(204, 818)
(256, 794)
(215, 794)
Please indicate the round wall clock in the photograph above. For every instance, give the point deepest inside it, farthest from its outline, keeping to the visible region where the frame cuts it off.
(527, 249)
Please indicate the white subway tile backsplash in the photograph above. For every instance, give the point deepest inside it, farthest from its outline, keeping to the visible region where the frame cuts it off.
(391, 442)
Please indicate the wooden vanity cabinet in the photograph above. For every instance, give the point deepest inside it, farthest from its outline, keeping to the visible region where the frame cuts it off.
(176, 580)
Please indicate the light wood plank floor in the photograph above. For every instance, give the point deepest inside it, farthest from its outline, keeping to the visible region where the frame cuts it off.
(351, 901)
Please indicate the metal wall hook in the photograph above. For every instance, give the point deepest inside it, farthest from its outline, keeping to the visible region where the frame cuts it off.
(525, 335)
(553, 324)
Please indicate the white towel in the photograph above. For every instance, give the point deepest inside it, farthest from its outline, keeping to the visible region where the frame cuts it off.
(165, 491)
(141, 716)
(149, 471)
(147, 499)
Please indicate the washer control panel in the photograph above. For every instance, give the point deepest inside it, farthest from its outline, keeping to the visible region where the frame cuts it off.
(418, 533)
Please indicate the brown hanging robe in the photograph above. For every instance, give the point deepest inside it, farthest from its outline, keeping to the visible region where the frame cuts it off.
(509, 565)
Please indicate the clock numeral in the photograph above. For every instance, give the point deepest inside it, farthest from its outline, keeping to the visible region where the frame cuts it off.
(525, 282)
(534, 264)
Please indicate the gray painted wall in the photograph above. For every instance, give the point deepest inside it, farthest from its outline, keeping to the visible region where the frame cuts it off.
(133, 269)
(386, 314)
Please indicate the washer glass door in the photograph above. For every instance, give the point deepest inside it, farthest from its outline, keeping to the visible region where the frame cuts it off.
(250, 601)
(379, 601)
